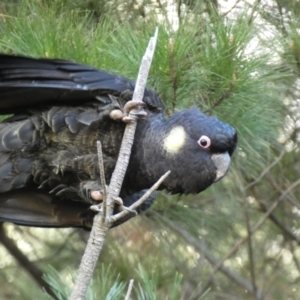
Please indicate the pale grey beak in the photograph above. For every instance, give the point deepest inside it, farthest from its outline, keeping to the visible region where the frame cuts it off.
(221, 161)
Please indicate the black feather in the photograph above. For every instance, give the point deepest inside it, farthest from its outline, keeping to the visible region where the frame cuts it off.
(48, 160)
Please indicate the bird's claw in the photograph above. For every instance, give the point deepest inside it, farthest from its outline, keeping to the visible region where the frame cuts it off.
(64, 190)
(119, 202)
(96, 208)
(131, 111)
(134, 105)
(91, 191)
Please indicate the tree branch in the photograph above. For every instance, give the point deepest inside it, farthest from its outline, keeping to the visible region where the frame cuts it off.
(232, 8)
(102, 179)
(22, 259)
(252, 230)
(100, 226)
(139, 202)
(244, 283)
(129, 289)
(250, 250)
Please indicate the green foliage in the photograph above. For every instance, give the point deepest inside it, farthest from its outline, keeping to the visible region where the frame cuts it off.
(207, 64)
(148, 286)
(3, 117)
(105, 286)
(226, 66)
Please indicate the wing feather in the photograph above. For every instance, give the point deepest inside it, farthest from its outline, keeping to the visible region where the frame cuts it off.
(28, 82)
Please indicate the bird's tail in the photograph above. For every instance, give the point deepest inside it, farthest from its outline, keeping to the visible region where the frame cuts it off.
(32, 207)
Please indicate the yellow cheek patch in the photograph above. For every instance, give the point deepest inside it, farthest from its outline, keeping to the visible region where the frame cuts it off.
(175, 140)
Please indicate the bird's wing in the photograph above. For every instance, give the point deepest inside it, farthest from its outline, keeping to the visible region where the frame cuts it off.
(28, 82)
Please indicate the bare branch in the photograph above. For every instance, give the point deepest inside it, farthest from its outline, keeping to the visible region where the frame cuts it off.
(139, 202)
(6, 16)
(129, 289)
(22, 259)
(102, 179)
(265, 171)
(286, 230)
(214, 261)
(253, 10)
(296, 261)
(253, 229)
(218, 265)
(290, 198)
(250, 249)
(232, 8)
(100, 229)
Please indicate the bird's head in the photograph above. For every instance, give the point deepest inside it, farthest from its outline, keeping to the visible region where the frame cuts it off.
(197, 149)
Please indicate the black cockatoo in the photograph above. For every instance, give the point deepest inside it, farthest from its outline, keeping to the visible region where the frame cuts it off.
(48, 161)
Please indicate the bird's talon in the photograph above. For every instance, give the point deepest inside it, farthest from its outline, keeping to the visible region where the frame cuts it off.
(118, 201)
(58, 188)
(133, 104)
(44, 184)
(62, 170)
(140, 113)
(95, 208)
(66, 190)
(127, 119)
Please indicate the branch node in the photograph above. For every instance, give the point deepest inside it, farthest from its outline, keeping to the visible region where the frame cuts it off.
(139, 202)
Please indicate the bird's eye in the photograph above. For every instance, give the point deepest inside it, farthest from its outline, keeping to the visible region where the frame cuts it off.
(204, 141)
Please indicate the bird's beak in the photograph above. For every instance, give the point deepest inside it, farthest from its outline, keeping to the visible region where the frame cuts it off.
(221, 161)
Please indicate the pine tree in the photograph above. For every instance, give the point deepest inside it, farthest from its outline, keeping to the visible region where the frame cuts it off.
(240, 63)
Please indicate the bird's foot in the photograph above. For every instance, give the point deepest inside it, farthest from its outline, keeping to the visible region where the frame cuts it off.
(64, 190)
(119, 202)
(96, 208)
(131, 109)
(134, 110)
(88, 191)
(91, 191)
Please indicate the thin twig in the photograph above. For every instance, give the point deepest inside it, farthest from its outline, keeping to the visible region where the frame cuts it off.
(265, 171)
(290, 198)
(250, 249)
(102, 180)
(243, 240)
(7, 16)
(286, 230)
(139, 202)
(243, 282)
(23, 260)
(253, 10)
(130, 286)
(296, 261)
(233, 7)
(179, 11)
(144, 69)
(284, 30)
